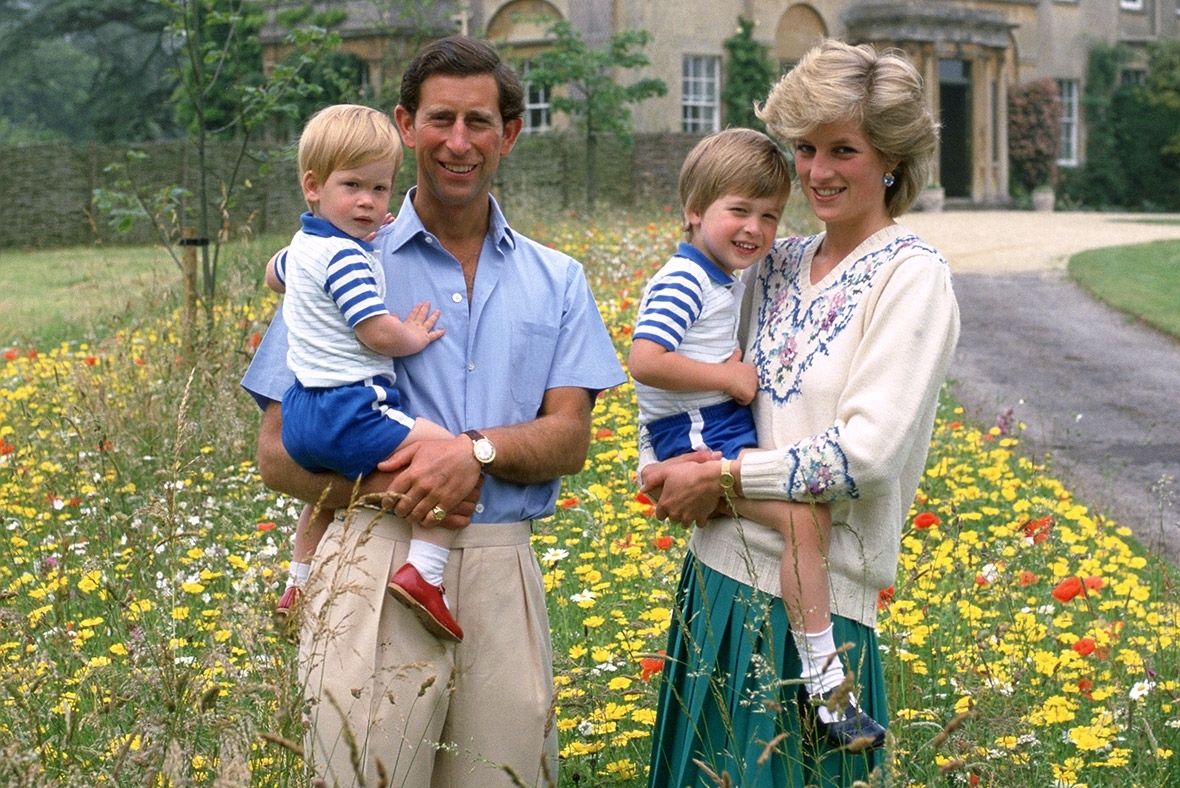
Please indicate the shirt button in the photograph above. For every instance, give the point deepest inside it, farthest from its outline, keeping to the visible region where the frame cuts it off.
(429, 239)
(470, 366)
(479, 508)
(456, 297)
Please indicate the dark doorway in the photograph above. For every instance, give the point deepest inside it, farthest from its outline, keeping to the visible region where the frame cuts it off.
(954, 96)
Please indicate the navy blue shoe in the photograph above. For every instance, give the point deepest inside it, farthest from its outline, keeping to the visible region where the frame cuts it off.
(854, 731)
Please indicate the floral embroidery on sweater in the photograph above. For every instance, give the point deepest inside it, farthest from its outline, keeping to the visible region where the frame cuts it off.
(794, 333)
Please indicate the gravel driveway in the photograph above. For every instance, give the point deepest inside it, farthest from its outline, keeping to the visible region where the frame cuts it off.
(1096, 389)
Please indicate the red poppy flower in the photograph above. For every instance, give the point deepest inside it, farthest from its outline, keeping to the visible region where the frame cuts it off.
(884, 598)
(604, 433)
(11, 354)
(643, 499)
(6, 447)
(1038, 529)
(1084, 688)
(663, 542)
(568, 503)
(1027, 578)
(650, 666)
(266, 526)
(1068, 588)
(1084, 646)
(1093, 583)
(926, 520)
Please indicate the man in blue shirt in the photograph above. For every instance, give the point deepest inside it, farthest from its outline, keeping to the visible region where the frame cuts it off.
(514, 377)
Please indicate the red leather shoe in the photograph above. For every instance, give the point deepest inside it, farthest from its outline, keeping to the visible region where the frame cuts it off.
(288, 601)
(425, 601)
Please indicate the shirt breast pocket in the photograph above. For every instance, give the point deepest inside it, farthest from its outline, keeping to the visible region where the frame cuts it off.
(533, 347)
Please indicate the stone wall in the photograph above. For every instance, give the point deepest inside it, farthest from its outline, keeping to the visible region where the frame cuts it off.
(50, 187)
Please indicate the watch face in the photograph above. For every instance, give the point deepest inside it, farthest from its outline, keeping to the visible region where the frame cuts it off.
(485, 452)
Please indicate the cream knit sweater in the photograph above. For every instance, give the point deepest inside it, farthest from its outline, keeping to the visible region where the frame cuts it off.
(850, 371)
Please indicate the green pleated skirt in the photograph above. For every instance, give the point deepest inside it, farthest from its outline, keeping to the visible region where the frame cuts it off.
(729, 697)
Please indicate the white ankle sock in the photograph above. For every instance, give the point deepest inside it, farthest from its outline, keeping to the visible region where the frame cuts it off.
(815, 649)
(429, 559)
(297, 574)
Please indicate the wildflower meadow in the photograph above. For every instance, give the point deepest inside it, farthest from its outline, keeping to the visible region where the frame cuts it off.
(1028, 641)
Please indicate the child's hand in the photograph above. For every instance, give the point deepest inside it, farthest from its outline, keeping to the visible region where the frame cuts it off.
(373, 235)
(742, 378)
(419, 324)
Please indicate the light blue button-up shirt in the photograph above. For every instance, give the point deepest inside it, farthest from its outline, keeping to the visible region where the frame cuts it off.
(532, 325)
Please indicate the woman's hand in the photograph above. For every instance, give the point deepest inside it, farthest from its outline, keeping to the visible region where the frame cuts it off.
(687, 488)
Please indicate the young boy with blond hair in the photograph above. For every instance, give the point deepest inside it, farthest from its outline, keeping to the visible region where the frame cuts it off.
(694, 390)
(343, 413)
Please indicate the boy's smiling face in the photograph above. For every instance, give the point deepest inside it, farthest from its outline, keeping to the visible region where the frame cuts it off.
(735, 231)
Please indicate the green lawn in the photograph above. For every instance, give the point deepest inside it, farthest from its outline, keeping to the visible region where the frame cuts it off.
(52, 295)
(1142, 280)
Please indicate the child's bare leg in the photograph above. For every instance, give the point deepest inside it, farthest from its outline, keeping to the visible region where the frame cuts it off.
(806, 529)
(424, 430)
(313, 522)
(418, 583)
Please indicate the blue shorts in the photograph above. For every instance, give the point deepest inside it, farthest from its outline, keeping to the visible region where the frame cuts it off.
(346, 429)
(726, 427)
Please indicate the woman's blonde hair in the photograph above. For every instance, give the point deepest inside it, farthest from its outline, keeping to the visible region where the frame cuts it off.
(735, 161)
(882, 93)
(344, 136)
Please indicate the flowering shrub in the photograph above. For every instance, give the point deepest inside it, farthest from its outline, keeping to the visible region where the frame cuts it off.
(1034, 133)
(1027, 641)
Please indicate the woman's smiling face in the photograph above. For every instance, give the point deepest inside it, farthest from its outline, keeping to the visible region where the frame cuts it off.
(841, 175)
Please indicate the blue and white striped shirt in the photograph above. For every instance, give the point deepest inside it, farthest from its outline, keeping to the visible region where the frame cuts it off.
(689, 307)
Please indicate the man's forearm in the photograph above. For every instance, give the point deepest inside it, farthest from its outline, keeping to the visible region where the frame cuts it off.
(552, 445)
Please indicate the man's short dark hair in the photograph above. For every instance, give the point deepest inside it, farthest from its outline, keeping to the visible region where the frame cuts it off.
(462, 56)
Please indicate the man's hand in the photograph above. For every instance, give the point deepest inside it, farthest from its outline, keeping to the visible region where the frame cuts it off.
(434, 473)
(687, 489)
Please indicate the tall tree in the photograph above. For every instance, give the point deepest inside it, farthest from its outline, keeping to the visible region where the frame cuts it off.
(122, 51)
(596, 103)
(749, 75)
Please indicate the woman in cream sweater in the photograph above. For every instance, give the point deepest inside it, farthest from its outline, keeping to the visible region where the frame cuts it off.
(852, 331)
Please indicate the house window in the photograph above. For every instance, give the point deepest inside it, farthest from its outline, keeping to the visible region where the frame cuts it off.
(1131, 5)
(699, 110)
(1133, 76)
(1067, 90)
(536, 105)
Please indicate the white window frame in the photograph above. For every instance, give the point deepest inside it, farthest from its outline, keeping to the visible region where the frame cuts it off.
(700, 97)
(1068, 92)
(1131, 5)
(536, 103)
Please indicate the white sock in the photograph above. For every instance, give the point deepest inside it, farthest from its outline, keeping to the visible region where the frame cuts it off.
(816, 649)
(297, 574)
(429, 559)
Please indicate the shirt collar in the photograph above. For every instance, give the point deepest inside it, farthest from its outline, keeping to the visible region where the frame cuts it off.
(313, 225)
(690, 252)
(408, 225)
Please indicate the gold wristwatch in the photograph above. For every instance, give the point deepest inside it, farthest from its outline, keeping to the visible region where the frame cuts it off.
(727, 478)
(481, 447)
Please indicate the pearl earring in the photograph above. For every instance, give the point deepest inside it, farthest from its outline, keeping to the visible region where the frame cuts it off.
(889, 180)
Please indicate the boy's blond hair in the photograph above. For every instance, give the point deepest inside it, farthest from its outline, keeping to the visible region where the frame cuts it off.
(735, 161)
(343, 136)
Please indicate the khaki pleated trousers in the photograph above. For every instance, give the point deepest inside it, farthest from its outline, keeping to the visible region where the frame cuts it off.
(388, 700)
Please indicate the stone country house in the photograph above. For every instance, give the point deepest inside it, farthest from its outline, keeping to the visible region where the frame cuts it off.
(970, 51)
